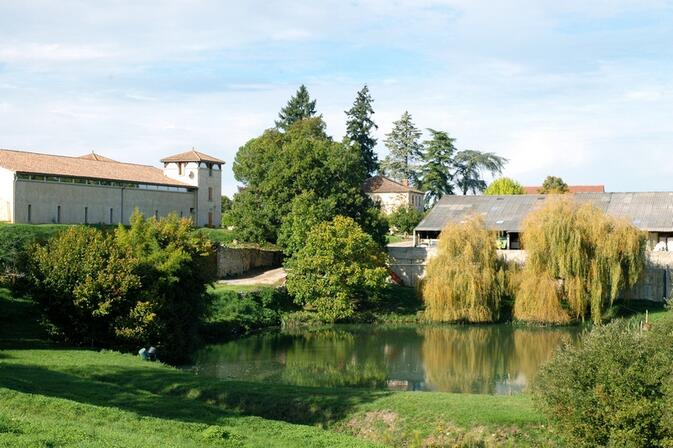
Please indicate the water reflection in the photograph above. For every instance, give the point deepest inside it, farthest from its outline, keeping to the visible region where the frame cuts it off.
(494, 359)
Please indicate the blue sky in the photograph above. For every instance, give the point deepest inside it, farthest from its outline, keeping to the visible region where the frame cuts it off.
(577, 89)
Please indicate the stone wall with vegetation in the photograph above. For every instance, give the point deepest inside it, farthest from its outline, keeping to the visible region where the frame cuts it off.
(408, 263)
(236, 261)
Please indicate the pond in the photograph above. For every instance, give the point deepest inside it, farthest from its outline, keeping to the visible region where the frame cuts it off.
(489, 359)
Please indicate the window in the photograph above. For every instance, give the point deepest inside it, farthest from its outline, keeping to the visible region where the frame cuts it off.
(210, 219)
(86, 215)
(210, 171)
(58, 214)
(111, 215)
(30, 213)
(210, 193)
(156, 214)
(191, 211)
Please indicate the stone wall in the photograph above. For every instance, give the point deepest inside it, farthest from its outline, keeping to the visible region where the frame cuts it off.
(232, 261)
(408, 263)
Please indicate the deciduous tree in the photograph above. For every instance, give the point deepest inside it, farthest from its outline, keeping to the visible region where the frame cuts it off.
(504, 186)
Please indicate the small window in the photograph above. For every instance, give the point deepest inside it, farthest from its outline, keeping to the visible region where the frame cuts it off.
(111, 215)
(210, 193)
(30, 213)
(191, 211)
(210, 171)
(86, 215)
(58, 214)
(156, 214)
(210, 219)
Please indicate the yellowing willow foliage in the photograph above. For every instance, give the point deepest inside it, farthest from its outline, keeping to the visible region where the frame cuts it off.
(579, 259)
(466, 280)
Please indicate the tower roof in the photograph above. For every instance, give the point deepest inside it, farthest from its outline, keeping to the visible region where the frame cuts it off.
(192, 156)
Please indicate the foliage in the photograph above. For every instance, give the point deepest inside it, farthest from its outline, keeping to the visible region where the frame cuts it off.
(236, 313)
(339, 268)
(614, 389)
(307, 211)
(281, 168)
(225, 205)
(469, 165)
(553, 185)
(15, 242)
(579, 259)
(129, 288)
(503, 186)
(466, 279)
(437, 176)
(359, 126)
(299, 107)
(404, 219)
(405, 149)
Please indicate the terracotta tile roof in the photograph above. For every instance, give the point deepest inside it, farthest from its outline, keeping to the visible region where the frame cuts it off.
(382, 184)
(192, 156)
(571, 189)
(35, 163)
(93, 156)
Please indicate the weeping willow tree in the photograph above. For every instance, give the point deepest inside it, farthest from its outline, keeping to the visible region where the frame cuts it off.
(466, 281)
(579, 259)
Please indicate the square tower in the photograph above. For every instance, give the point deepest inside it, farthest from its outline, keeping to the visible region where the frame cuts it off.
(204, 172)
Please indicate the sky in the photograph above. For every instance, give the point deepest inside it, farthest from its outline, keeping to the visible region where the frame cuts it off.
(577, 89)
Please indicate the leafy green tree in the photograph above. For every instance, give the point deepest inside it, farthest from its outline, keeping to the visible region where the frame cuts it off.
(405, 149)
(553, 185)
(469, 165)
(299, 107)
(127, 288)
(504, 186)
(308, 210)
(225, 204)
(338, 269)
(437, 176)
(405, 219)
(359, 126)
(278, 167)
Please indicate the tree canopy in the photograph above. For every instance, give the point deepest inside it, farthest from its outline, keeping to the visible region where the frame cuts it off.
(359, 126)
(405, 150)
(503, 186)
(279, 168)
(553, 185)
(438, 164)
(299, 107)
(469, 167)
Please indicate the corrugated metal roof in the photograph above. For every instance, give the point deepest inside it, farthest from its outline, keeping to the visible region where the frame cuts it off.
(651, 211)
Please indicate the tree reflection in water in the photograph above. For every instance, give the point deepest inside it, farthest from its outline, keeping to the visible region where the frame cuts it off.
(483, 359)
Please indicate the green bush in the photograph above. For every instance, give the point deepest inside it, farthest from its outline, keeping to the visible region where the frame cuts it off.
(128, 288)
(405, 219)
(338, 270)
(614, 389)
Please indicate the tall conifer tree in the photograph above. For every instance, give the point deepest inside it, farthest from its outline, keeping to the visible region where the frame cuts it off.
(405, 148)
(437, 165)
(298, 108)
(359, 126)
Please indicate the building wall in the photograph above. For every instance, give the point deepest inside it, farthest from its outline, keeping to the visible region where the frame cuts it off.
(199, 175)
(44, 199)
(408, 263)
(392, 201)
(234, 261)
(6, 195)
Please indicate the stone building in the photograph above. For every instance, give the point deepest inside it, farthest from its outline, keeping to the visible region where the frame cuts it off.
(92, 189)
(392, 195)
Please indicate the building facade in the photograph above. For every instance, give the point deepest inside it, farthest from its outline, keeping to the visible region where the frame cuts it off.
(391, 195)
(50, 189)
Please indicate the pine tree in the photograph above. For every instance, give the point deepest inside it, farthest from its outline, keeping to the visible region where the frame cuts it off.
(437, 165)
(405, 150)
(359, 125)
(299, 107)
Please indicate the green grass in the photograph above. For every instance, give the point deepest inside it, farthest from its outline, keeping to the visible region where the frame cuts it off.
(396, 238)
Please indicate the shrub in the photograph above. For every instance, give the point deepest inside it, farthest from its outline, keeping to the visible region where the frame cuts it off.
(405, 219)
(466, 280)
(614, 389)
(579, 259)
(128, 288)
(338, 269)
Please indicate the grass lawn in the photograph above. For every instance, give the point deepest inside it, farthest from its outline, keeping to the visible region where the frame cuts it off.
(57, 396)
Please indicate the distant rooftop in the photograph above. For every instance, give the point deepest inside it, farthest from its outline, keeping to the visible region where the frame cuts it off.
(571, 189)
(382, 184)
(651, 211)
(192, 156)
(93, 156)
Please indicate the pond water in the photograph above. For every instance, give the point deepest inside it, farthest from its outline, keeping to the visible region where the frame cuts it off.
(492, 359)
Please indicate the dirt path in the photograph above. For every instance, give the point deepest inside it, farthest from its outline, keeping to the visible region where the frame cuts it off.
(270, 277)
